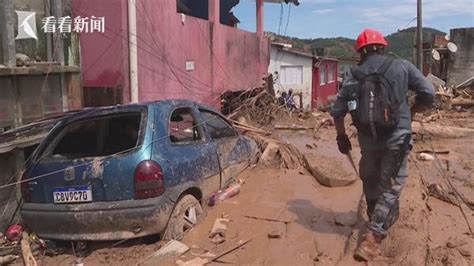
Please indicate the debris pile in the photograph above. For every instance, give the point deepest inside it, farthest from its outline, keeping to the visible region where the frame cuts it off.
(448, 97)
(277, 153)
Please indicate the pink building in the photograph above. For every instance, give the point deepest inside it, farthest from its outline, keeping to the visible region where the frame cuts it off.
(325, 82)
(181, 49)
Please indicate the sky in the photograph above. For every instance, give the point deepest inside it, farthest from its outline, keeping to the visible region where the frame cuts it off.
(346, 18)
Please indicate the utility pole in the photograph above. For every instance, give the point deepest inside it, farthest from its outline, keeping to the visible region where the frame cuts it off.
(419, 36)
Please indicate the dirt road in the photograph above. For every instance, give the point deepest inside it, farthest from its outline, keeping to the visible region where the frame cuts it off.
(290, 219)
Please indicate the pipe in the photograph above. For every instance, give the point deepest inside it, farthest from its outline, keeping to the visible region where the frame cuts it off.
(132, 50)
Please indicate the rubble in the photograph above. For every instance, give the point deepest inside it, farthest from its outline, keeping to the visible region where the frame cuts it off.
(425, 157)
(439, 131)
(171, 249)
(328, 175)
(27, 254)
(218, 230)
(345, 220)
(277, 231)
(8, 259)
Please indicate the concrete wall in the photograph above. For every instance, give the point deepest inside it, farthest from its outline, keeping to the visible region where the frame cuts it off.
(9, 196)
(280, 58)
(461, 63)
(219, 57)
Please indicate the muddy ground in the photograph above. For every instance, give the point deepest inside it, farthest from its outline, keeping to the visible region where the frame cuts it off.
(316, 225)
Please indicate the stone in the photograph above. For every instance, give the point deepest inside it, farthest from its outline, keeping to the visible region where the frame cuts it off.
(275, 234)
(217, 239)
(425, 157)
(345, 220)
(219, 227)
(277, 231)
(171, 249)
(269, 154)
(328, 171)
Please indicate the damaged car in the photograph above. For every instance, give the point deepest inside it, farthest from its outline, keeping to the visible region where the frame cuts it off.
(131, 170)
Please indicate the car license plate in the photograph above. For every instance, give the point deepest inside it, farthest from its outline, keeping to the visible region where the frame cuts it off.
(72, 194)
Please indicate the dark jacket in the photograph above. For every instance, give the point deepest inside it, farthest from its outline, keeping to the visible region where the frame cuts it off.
(403, 76)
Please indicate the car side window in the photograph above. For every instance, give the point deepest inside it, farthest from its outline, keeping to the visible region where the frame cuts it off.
(183, 127)
(217, 126)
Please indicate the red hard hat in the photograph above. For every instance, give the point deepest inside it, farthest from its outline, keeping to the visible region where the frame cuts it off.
(370, 36)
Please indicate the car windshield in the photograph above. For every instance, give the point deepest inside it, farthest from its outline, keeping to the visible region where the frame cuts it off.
(97, 136)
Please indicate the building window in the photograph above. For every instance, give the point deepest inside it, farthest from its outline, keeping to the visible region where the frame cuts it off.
(331, 74)
(291, 75)
(194, 8)
(322, 75)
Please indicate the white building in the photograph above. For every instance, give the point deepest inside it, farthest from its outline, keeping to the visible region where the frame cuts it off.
(294, 72)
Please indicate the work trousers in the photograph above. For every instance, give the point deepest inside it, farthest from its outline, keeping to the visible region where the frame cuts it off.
(382, 184)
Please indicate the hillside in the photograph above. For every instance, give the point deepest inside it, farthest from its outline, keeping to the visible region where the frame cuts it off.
(400, 43)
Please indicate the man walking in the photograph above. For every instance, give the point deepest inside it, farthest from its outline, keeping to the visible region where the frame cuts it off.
(375, 94)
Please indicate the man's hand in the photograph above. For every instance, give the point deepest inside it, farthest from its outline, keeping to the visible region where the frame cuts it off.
(343, 143)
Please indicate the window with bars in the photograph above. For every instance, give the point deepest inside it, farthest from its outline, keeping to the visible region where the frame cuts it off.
(291, 75)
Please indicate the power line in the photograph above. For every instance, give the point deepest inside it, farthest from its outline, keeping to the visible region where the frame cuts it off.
(288, 19)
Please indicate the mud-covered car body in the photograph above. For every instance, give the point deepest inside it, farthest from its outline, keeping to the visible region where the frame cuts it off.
(117, 172)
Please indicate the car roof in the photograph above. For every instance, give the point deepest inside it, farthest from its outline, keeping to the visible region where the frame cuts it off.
(171, 102)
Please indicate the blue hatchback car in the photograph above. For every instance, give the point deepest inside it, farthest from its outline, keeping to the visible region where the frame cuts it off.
(130, 170)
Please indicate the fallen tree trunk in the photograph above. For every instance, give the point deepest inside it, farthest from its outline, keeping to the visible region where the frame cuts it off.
(441, 131)
(462, 102)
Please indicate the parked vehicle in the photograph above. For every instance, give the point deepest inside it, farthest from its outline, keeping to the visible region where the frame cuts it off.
(131, 170)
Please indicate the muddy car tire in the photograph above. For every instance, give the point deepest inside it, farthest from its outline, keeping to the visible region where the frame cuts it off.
(186, 214)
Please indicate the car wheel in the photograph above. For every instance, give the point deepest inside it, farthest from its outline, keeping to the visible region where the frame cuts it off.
(186, 214)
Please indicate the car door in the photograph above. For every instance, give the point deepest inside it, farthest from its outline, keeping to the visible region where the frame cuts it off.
(192, 157)
(231, 148)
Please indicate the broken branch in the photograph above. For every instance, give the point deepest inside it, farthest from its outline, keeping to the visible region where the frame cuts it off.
(230, 250)
(28, 258)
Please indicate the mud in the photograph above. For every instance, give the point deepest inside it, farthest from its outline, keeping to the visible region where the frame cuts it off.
(293, 220)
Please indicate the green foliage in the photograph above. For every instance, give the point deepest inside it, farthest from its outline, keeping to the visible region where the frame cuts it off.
(401, 43)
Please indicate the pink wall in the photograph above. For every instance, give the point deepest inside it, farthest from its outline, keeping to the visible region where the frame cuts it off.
(104, 56)
(321, 92)
(224, 58)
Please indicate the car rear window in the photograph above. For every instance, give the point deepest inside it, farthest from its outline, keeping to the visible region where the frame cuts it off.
(98, 136)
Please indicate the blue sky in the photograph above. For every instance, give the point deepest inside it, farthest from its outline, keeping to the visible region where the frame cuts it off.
(346, 18)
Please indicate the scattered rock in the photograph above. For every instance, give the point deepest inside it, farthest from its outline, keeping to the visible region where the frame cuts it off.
(217, 239)
(171, 249)
(345, 220)
(219, 227)
(275, 234)
(328, 171)
(269, 154)
(309, 146)
(425, 157)
(22, 60)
